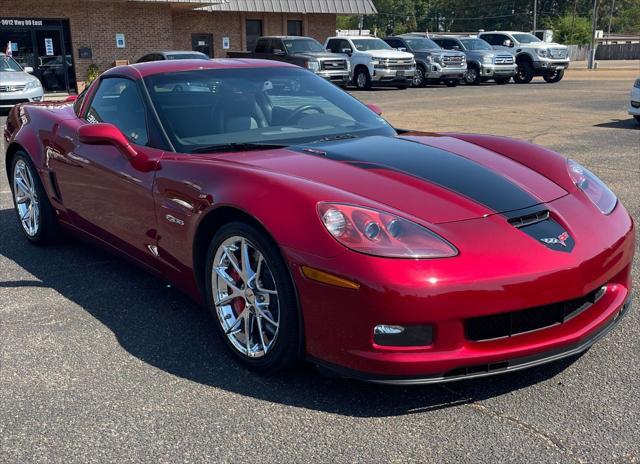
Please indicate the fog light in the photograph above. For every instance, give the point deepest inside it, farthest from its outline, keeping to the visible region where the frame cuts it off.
(37, 99)
(398, 335)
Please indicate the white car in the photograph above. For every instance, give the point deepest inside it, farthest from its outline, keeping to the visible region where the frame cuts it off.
(17, 85)
(634, 104)
(374, 62)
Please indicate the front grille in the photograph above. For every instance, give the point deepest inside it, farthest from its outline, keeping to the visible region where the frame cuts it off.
(453, 61)
(12, 88)
(504, 59)
(518, 322)
(396, 63)
(397, 67)
(333, 65)
(12, 101)
(558, 53)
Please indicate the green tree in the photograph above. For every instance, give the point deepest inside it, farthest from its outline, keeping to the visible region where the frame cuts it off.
(570, 30)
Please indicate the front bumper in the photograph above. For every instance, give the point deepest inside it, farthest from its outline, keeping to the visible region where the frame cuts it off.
(392, 75)
(8, 99)
(439, 72)
(489, 71)
(543, 66)
(337, 77)
(447, 293)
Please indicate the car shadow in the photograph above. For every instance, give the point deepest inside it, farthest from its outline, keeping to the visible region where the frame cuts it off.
(165, 329)
(629, 123)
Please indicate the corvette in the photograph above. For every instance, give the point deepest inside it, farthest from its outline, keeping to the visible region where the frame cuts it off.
(312, 229)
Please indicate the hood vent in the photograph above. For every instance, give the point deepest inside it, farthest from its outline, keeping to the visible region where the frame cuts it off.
(528, 219)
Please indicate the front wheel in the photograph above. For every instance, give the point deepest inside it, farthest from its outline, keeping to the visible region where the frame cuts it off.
(472, 76)
(362, 80)
(525, 73)
(554, 77)
(418, 77)
(251, 295)
(451, 82)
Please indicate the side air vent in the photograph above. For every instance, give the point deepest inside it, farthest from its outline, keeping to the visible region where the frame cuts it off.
(528, 219)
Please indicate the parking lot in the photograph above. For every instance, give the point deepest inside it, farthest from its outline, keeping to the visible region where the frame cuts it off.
(101, 362)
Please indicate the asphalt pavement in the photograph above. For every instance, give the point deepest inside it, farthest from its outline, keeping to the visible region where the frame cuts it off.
(100, 362)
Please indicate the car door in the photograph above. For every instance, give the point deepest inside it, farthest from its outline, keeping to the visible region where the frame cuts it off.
(106, 191)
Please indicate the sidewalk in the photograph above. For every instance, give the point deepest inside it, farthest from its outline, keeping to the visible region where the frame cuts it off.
(609, 64)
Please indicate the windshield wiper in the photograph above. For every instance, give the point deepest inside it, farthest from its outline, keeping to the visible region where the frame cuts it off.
(240, 146)
(336, 137)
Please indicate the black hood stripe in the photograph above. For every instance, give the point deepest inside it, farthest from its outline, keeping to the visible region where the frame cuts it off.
(446, 169)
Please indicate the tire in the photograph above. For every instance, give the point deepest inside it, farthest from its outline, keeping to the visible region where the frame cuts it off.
(362, 79)
(418, 78)
(277, 315)
(402, 87)
(502, 80)
(451, 82)
(41, 226)
(525, 72)
(555, 77)
(472, 76)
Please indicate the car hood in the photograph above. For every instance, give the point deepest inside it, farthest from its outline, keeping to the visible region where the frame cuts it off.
(321, 55)
(15, 77)
(543, 45)
(435, 178)
(389, 54)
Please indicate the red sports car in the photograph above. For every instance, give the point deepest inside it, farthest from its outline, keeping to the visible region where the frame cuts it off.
(313, 229)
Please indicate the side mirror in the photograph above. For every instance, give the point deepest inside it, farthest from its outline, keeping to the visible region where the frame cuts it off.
(277, 51)
(106, 134)
(402, 49)
(328, 50)
(348, 51)
(375, 108)
(455, 47)
(28, 69)
(508, 43)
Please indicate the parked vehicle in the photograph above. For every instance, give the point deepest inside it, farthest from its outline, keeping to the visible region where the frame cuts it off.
(634, 103)
(17, 85)
(483, 62)
(173, 55)
(533, 56)
(302, 51)
(433, 64)
(374, 62)
(312, 229)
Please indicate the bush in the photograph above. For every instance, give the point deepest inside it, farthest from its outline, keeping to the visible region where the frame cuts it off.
(92, 73)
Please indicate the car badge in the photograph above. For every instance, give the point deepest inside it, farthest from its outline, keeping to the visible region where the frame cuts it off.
(559, 240)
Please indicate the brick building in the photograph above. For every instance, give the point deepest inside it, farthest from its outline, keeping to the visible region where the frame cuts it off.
(60, 39)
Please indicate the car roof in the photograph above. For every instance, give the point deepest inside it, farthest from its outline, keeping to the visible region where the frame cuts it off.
(288, 37)
(150, 68)
(179, 52)
(502, 32)
(353, 37)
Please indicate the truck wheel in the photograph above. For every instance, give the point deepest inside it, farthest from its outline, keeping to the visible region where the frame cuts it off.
(472, 76)
(556, 76)
(525, 72)
(418, 77)
(502, 80)
(451, 82)
(362, 80)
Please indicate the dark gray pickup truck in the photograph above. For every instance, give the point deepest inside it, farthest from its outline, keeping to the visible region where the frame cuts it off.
(302, 51)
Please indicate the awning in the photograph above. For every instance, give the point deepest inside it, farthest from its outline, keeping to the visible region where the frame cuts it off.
(365, 7)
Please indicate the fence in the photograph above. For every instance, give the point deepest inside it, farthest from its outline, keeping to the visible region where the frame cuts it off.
(628, 51)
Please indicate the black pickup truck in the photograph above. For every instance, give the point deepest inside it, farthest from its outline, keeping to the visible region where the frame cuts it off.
(302, 51)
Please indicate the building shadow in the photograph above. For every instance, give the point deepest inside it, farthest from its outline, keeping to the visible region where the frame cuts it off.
(165, 329)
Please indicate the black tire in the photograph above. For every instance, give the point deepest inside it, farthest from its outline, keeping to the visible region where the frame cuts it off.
(637, 118)
(451, 82)
(285, 352)
(48, 230)
(473, 76)
(525, 72)
(502, 80)
(419, 79)
(362, 79)
(402, 87)
(554, 77)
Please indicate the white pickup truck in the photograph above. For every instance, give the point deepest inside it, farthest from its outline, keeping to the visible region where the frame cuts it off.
(374, 62)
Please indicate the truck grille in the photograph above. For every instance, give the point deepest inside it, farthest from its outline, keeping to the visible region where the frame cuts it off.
(333, 65)
(517, 322)
(12, 87)
(396, 63)
(452, 61)
(504, 59)
(558, 53)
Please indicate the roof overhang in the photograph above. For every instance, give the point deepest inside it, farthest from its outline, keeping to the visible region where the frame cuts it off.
(343, 7)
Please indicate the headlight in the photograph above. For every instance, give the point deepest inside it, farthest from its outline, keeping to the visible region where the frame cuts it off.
(382, 234)
(637, 83)
(437, 58)
(313, 66)
(428, 59)
(543, 52)
(487, 59)
(596, 190)
(34, 84)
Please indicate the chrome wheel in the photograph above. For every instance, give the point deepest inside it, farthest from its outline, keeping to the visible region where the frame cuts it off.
(418, 77)
(361, 80)
(26, 198)
(245, 297)
(471, 75)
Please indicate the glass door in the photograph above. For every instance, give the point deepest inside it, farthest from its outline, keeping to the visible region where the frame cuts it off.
(53, 63)
(202, 43)
(21, 47)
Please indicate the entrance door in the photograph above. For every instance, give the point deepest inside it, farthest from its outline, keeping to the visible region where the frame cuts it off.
(254, 31)
(21, 47)
(53, 62)
(202, 43)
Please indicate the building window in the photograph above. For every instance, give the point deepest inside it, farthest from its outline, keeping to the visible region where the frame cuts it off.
(254, 31)
(294, 27)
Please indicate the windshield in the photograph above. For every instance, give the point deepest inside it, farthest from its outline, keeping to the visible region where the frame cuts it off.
(186, 56)
(363, 45)
(421, 43)
(303, 46)
(526, 38)
(202, 108)
(475, 44)
(8, 64)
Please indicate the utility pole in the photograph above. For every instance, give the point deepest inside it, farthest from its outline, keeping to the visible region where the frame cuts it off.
(535, 15)
(592, 51)
(360, 24)
(613, 4)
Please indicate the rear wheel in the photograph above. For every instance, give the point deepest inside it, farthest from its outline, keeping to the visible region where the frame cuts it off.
(36, 216)
(362, 80)
(251, 295)
(554, 77)
(525, 72)
(472, 76)
(502, 80)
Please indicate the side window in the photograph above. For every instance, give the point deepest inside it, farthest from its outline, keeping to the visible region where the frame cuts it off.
(493, 39)
(117, 101)
(261, 46)
(276, 44)
(395, 43)
(334, 45)
(345, 44)
(77, 105)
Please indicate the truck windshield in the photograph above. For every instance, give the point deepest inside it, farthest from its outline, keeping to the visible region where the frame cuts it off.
(526, 38)
(8, 64)
(475, 44)
(303, 46)
(205, 108)
(363, 45)
(421, 43)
